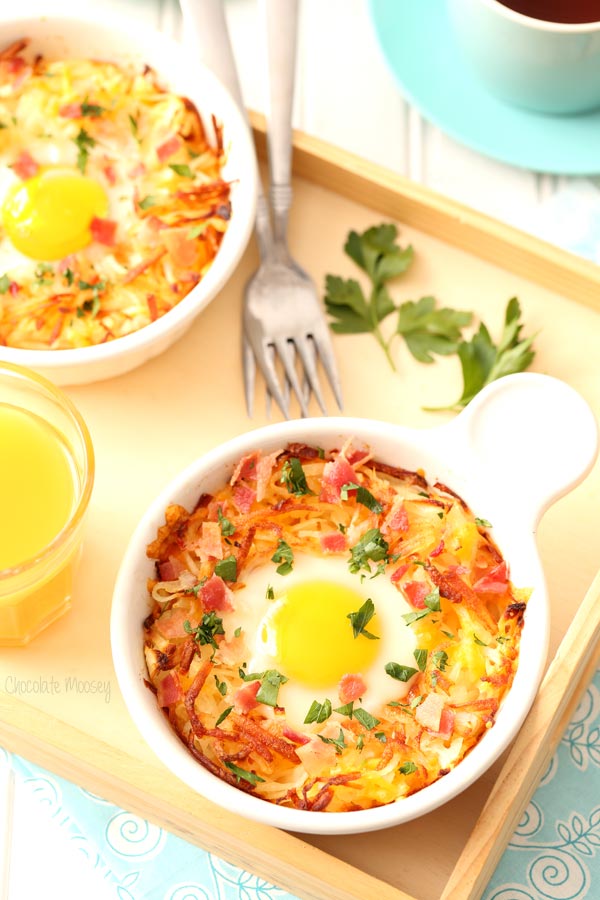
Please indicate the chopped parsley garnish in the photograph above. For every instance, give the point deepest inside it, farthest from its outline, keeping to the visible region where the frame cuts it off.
(421, 658)
(205, 633)
(359, 620)
(440, 660)
(44, 272)
(91, 109)
(416, 701)
(237, 631)
(227, 526)
(69, 276)
(84, 142)
(183, 170)
(337, 742)
(223, 716)
(363, 496)
(196, 230)
(292, 475)
(360, 742)
(243, 775)
(97, 286)
(432, 604)
(400, 673)
(407, 768)
(483, 523)
(342, 528)
(227, 568)
(365, 718)
(380, 735)
(270, 683)
(270, 595)
(148, 201)
(479, 641)
(89, 306)
(285, 556)
(4, 283)
(318, 712)
(134, 125)
(346, 710)
(221, 686)
(371, 546)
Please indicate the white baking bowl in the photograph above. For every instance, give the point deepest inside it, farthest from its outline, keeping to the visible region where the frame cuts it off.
(113, 38)
(522, 443)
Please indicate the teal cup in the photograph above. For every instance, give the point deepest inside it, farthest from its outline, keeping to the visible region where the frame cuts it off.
(549, 67)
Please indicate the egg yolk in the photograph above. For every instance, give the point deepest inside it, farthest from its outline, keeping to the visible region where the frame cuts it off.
(308, 631)
(47, 217)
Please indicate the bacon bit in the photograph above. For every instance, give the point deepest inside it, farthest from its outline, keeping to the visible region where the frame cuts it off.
(294, 736)
(170, 624)
(210, 543)
(356, 457)
(169, 690)
(168, 148)
(245, 697)
(145, 264)
(493, 582)
(446, 722)
(351, 687)
(103, 231)
(70, 111)
(415, 592)
(109, 173)
(400, 571)
(439, 549)
(215, 594)
(396, 520)
(429, 712)
(334, 542)
(316, 756)
(152, 308)
(246, 468)
(140, 169)
(264, 468)
(171, 569)
(336, 474)
(25, 165)
(243, 498)
(13, 288)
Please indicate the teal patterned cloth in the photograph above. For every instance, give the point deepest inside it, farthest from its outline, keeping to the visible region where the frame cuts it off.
(554, 854)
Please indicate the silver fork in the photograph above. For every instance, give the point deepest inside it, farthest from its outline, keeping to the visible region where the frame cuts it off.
(282, 316)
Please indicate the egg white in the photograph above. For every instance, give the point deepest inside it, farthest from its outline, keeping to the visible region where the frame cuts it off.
(396, 644)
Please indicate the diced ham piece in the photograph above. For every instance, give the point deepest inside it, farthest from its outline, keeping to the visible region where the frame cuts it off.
(446, 722)
(182, 250)
(439, 549)
(243, 498)
(264, 467)
(494, 581)
(399, 572)
(355, 457)
(210, 544)
(170, 624)
(168, 690)
(215, 594)
(109, 173)
(294, 736)
(429, 712)
(351, 687)
(396, 520)
(245, 697)
(25, 165)
(70, 111)
(334, 542)
(170, 569)
(103, 231)
(316, 756)
(336, 474)
(13, 288)
(231, 650)
(246, 468)
(415, 592)
(168, 148)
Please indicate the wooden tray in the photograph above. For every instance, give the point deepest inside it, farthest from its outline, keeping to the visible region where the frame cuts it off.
(59, 700)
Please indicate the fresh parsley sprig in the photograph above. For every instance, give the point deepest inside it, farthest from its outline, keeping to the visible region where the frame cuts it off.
(360, 619)
(209, 626)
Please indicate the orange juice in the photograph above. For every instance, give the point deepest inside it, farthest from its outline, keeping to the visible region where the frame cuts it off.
(46, 476)
(37, 485)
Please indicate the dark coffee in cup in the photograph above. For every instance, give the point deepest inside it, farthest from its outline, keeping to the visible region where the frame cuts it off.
(568, 12)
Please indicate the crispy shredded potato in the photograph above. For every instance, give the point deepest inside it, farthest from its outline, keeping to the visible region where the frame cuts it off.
(168, 205)
(466, 616)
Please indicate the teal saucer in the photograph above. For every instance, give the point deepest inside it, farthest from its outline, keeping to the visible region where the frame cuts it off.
(418, 44)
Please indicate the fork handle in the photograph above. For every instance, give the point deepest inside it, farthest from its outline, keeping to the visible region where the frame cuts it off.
(281, 27)
(210, 36)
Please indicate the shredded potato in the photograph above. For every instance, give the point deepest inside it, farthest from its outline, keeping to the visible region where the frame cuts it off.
(168, 205)
(467, 621)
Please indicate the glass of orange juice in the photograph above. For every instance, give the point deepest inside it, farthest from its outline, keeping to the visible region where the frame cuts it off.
(46, 477)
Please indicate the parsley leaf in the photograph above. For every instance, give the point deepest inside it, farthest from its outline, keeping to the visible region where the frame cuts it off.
(292, 475)
(400, 673)
(270, 593)
(270, 683)
(371, 546)
(482, 361)
(318, 712)
(337, 742)
(346, 710)
(440, 660)
(365, 718)
(421, 658)
(148, 201)
(227, 568)
(221, 686)
(227, 526)
(183, 170)
(242, 774)
(363, 496)
(483, 523)
(432, 604)
(360, 742)
(91, 109)
(407, 768)
(360, 619)
(223, 716)
(285, 556)
(4, 283)
(380, 735)
(84, 142)
(209, 626)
